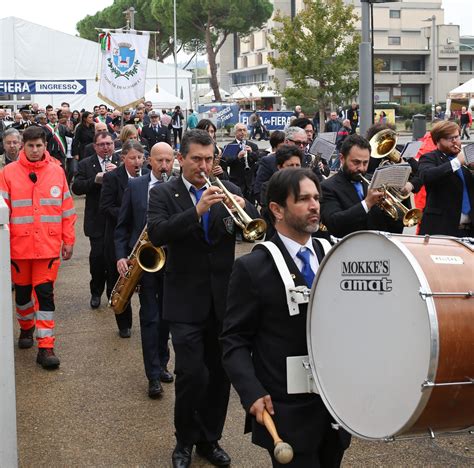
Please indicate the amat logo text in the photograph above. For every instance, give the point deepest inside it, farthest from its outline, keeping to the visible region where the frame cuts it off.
(368, 276)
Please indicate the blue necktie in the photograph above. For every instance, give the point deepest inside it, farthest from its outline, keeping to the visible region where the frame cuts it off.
(205, 216)
(308, 274)
(359, 190)
(466, 204)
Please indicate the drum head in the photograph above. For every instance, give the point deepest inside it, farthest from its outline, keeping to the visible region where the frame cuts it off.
(372, 339)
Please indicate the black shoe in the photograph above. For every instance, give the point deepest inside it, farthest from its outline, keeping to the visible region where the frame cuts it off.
(47, 358)
(181, 457)
(125, 333)
(155, 389)
(166, 376)
(25, 340)
(95, 302)
(213, 453)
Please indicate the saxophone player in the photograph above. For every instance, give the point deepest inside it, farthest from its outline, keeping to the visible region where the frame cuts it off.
(131, 222)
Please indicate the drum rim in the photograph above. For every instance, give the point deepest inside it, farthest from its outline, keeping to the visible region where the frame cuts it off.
(434, 333)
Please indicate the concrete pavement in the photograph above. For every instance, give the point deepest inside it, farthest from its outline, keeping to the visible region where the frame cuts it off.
(94, 411)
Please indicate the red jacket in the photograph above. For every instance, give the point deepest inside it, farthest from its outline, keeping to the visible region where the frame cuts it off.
(42, 214)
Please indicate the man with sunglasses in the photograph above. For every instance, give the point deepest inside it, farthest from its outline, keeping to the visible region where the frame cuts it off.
(88, 182)
(449, 185)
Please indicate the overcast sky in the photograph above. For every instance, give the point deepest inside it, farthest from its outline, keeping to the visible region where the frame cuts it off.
(63, 15)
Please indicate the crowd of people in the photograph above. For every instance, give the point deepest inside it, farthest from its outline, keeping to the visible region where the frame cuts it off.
(228, 321)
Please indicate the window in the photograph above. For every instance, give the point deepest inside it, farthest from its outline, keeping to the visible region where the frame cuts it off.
(395, 14)
(453, 68)
(443, 68)
(394, 40)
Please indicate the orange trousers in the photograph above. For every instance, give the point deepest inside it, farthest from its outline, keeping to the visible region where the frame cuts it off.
(34, 296)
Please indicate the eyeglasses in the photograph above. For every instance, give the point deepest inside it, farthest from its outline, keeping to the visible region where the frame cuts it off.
(453, 138)
(102, 145)
(299, 143)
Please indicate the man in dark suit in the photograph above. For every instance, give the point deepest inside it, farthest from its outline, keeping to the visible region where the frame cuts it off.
(189, 218)
(155, 132)
(259, 333)
(449, 185)
(56, 134)
(347, 205)
(88, 182)
(113, 187)
(131, 221)
(242, 168)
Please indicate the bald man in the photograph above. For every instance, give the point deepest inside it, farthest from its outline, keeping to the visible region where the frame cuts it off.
(131, 221)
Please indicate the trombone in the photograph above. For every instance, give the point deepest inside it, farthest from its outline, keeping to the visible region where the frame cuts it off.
(392, 206)
(252, 229)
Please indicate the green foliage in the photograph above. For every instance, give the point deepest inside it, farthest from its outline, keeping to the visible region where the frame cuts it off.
(113, 17)
(408, 124)
(210, 22)
(319, 50)
(407, 111)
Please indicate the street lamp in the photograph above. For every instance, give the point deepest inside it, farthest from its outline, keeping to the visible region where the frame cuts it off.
(432, 35)
(366, 69)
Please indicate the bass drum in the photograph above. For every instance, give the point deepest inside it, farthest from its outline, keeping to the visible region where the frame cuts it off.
(390, 334)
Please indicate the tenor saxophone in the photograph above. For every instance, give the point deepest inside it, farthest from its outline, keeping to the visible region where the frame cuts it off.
(144, 257)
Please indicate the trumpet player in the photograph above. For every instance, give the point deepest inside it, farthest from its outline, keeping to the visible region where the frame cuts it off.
(188, 217)
(347, 205)
(242, 168)
(131, 221)
(449, 185)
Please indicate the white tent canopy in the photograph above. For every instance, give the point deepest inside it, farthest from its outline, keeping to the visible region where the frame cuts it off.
(464, 92)
(253, 92)
(164, 100)
(30, 51)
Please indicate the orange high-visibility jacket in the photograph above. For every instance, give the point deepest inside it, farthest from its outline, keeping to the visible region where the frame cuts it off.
(42, 214)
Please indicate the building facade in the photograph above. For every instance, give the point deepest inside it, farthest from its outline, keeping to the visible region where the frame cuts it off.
(417, 58)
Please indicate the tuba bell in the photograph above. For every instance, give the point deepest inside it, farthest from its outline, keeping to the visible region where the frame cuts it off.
(144, 257)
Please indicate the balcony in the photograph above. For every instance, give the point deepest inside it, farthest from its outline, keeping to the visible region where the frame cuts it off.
(402, 77)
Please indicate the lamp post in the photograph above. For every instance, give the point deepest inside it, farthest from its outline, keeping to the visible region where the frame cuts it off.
(175, 51)
(433, 63)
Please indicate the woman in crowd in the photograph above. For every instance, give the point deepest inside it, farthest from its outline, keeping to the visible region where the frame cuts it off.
(83, 135)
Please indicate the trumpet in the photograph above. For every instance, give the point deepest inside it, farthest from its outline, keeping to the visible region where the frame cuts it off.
(252, 229)
(391, 205)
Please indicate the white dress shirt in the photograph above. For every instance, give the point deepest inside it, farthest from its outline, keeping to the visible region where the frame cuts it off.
(294, 247)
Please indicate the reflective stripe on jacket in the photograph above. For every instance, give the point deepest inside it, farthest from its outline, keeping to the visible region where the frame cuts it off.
(42, 214)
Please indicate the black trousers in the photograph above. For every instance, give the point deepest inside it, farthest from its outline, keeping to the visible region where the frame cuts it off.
(124, 320)
(201, 386)
(97, 266)
(154, 330)
(177, 133)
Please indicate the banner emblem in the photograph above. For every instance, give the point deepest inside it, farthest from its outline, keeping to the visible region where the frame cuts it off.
(124, 59)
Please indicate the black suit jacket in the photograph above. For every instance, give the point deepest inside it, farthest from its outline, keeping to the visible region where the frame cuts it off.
(444, 191)
(53, 147)
(196, 273)
(132, 215)
(237, 172)
(258, 335)
(84, 184)
(153, 137)
(113, 188)
(342, 211)
(267, 166)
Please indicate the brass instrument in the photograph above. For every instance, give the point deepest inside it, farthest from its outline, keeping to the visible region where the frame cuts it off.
(245, 157)
(252, 229)
(144, 257)
(392, 206)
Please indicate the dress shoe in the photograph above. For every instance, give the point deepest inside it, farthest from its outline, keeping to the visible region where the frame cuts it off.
(125, 333)
(155, 389)
(166, 376)
(213, 453)
(181, 457)
(47, 358)
(95, 302)
(25, 340)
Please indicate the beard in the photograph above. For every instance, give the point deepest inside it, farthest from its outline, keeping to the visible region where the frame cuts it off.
(302, 225)
(354, 176)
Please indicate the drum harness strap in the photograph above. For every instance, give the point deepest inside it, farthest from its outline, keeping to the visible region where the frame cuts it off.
(295, 295)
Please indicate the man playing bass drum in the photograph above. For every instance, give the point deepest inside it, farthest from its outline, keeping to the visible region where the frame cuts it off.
(260, 332)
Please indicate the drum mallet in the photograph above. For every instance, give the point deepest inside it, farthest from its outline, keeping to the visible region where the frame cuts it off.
(283, 452)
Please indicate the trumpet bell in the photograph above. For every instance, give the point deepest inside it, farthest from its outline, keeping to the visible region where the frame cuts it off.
(412, 217)
(255, 229)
